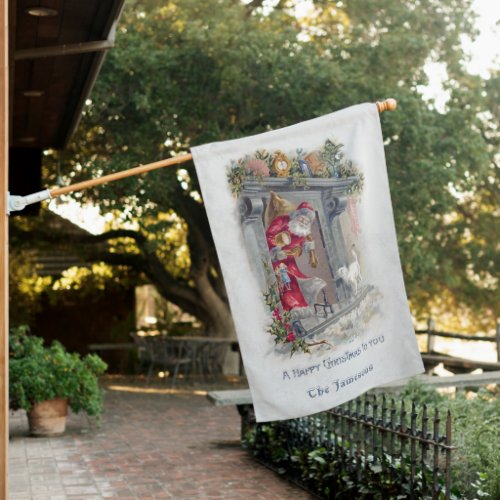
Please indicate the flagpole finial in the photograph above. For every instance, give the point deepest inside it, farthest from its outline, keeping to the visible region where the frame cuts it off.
(387, 105)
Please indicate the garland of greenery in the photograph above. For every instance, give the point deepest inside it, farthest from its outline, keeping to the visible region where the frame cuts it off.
(329, 157)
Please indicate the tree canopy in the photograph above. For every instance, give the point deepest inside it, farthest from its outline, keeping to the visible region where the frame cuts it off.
(186, 72)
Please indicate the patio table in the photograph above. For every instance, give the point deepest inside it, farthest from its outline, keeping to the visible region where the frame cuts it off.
(206, 353)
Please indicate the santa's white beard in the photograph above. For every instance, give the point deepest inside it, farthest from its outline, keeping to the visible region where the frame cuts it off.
(298, 228)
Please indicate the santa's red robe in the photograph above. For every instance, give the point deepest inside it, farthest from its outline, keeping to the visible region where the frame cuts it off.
(285, 247)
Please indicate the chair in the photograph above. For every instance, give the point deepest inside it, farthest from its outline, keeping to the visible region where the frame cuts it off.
(161, 352)
(213, 359)
(194, 351)
(143, 350)
(174, 356)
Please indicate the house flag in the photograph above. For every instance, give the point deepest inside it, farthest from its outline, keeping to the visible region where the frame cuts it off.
(303, 226)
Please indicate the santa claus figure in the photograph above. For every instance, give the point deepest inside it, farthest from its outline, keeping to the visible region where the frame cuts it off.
(288, 236)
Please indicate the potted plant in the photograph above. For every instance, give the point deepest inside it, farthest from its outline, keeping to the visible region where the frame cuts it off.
(45, 380)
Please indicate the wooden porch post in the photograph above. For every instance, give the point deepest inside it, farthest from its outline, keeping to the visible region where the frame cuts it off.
(4, 245)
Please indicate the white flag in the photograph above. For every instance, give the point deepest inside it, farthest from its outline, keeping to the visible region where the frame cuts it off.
(303, 225)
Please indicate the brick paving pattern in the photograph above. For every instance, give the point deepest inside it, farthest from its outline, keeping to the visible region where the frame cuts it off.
(149, 446)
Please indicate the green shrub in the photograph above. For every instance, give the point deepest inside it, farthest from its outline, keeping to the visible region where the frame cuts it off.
(332, 473)
(475, 434)
(38, 373)
(475, 465)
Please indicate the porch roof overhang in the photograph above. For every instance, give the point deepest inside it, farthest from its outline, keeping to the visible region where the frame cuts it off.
(57, 48)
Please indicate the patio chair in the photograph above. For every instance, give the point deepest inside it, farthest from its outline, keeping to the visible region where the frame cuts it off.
(175, 356)
(213, 359)
(143, 350)
(157, 351)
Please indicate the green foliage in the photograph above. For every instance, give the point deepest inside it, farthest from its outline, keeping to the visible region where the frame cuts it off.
(421, 394)
(38, 373)
(25, 286)
(282, 331)
(475, 465)
(29, 292)
(236, 177)
(191, 72)
(475, 434)
(332, 472)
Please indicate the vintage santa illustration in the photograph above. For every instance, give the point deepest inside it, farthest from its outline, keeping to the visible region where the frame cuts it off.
(301, 230)
(288, 236)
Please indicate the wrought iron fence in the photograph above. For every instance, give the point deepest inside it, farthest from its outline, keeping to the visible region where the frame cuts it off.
(370, 445)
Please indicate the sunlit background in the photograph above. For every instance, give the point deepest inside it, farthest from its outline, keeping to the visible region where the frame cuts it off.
(483, 53)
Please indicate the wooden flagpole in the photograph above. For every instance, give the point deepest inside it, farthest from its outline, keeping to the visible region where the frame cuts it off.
(387, 105)
(121, 175)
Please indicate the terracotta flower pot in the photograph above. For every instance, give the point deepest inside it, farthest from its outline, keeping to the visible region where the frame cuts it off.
(48, 418)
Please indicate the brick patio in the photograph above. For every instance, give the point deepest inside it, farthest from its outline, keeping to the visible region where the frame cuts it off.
(160, 444)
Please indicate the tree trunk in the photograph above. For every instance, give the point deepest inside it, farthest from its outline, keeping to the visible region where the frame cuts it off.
(221, 321)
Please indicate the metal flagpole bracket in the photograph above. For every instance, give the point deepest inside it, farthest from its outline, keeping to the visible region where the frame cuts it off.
(16, 203)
